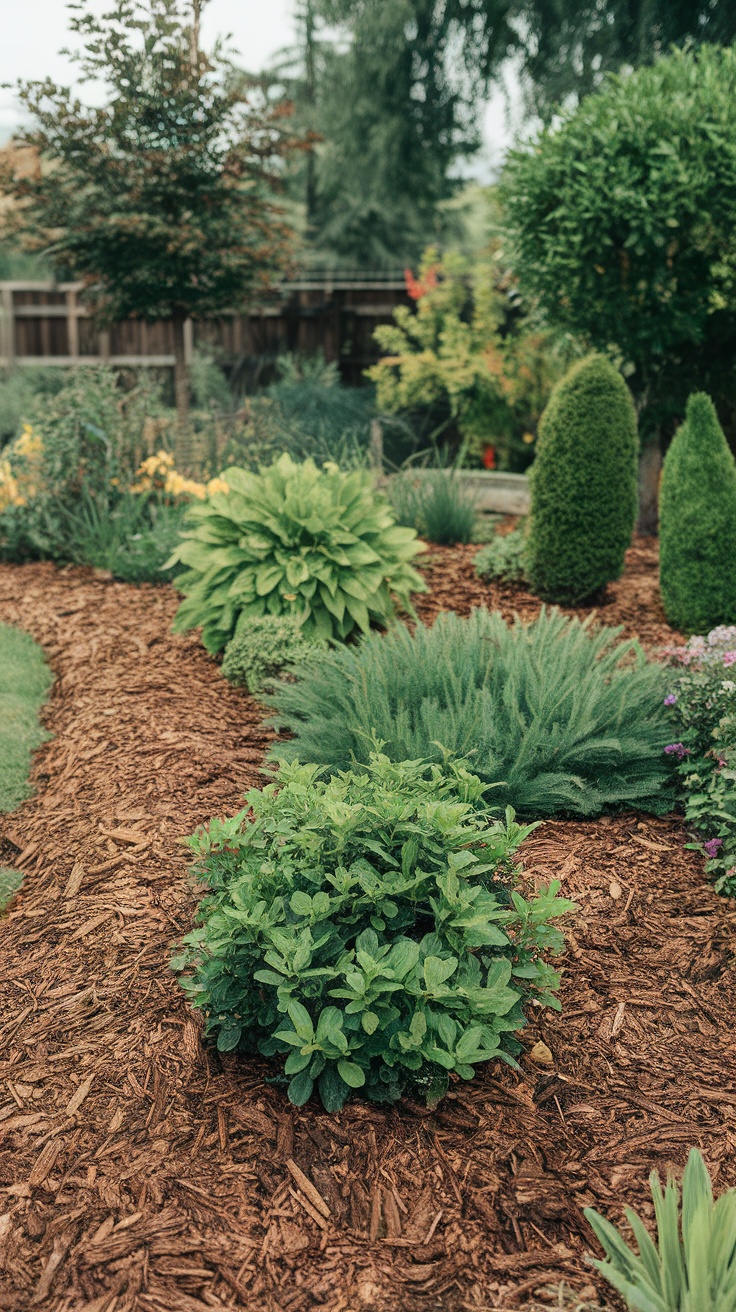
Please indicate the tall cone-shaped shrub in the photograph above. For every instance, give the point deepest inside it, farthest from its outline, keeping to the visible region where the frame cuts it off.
(697, 508)
(583, 484)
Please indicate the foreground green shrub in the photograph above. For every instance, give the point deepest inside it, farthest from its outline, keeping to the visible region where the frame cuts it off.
(25, 679)
(10, 882)
(264, 648)
(693, 1266)
(702, 707)
(435, 503)
(559, 717)
(504, 557)
(583, 485)
(294, 540)
(697, 529)
(367, 929)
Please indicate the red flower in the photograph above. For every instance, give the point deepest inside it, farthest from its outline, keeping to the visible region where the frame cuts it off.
(489, 457)
(418, 287)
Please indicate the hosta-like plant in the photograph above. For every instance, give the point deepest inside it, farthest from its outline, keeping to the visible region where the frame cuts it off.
(365, 930)
(692, 1268)
(294, 539)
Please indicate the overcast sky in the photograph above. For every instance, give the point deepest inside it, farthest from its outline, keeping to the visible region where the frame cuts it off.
(34, 31)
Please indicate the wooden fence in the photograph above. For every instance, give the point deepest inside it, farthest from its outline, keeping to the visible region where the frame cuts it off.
(47, 323)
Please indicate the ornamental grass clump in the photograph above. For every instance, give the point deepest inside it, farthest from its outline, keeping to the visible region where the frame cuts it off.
(366, 932)
(560, 717)
(583, 485)
(293, 539)
(697, 511)
(692, 1267)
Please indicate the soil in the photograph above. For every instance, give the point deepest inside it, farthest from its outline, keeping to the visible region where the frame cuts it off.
(141, 1172)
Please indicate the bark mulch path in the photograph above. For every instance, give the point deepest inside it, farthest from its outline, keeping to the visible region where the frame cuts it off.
(142, 1173)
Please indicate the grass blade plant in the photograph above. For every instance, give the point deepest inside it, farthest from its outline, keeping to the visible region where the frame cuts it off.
(561, 717)
(692, 1268)
(25, 679)
(366, 931)
(435, 503)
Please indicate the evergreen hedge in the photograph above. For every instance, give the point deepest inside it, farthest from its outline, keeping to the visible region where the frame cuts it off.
(698, 523)
(583, 485)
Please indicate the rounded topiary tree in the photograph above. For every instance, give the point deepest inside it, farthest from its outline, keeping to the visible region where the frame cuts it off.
(583, 484)
(698, 523)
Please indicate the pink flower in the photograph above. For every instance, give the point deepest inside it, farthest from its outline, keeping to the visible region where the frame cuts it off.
(677, 749)
(729, 658)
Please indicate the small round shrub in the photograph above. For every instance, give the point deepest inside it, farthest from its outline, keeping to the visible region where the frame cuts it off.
(697, 511)
(504, 557)
(583, 485)
(264, 648)
(557, 716)
(366, 931)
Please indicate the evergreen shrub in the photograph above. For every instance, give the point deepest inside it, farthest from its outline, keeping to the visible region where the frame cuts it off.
(698, 523)
(559, 717)
(294, 540)
(366, 930)
(583, 485)
(504, 557)
(264, 648)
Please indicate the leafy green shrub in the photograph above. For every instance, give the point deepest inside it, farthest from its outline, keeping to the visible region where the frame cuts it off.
(583, 485)
(435, 503)
(294, 540)
(559, 717)
(263, 648)
(131, 535)
(698, 523)
(25, 679)
(20, 394)
(504, 557)
(702, 706)
(693, 1266)
(369, 928)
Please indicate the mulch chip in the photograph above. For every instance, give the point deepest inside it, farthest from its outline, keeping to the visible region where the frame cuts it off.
(142, 1172)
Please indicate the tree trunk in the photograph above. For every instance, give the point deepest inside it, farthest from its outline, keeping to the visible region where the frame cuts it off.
(181, 394)
(650, 466)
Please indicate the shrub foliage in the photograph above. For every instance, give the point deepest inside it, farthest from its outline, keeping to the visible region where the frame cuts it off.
(698, 523)
(504, 557)
(366, 929)
(264, 648)
(559, 717)
(295, 540)
(583, 485)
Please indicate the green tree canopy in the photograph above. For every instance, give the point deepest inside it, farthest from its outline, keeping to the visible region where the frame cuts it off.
(161, 200)
(623, 225)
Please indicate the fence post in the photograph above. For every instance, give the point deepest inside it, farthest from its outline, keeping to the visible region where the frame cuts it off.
(7, 328)
(72, 325)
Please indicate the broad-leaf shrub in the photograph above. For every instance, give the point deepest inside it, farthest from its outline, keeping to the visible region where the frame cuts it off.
(264, 648)
(697, 513)
(559, 716)
(702, 706)
(692, 1267)
(583, 485)
(295, 540)
(365, 930)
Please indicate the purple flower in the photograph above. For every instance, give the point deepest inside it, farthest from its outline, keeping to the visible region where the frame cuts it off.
(670, 699)
(677, 749)
(712, 846)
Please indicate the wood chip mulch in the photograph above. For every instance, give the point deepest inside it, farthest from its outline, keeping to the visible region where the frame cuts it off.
(140, 1172)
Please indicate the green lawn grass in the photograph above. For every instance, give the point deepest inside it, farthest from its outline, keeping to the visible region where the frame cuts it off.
(25, 679)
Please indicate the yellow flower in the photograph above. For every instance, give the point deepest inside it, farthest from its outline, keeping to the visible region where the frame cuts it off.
(217, 485)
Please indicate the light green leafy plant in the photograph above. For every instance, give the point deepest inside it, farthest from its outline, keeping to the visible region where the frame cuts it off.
(366, 930)
(692, 1268)
(294, 540)
(504, 557)
(264, 648)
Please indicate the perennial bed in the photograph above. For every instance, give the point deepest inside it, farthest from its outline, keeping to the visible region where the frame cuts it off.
(140, 1171)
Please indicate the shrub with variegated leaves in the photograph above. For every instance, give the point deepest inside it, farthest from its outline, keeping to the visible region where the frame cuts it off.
(293, 539)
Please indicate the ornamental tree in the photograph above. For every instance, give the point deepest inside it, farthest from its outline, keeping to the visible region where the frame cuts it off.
(162, 199)
(623, 225)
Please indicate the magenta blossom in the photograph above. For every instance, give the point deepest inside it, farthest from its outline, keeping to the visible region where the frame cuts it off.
(670, 699)
(712, 846)
(729, 658)
(677, 749)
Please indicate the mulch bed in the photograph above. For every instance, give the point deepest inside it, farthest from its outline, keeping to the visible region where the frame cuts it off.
(140, 1172)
